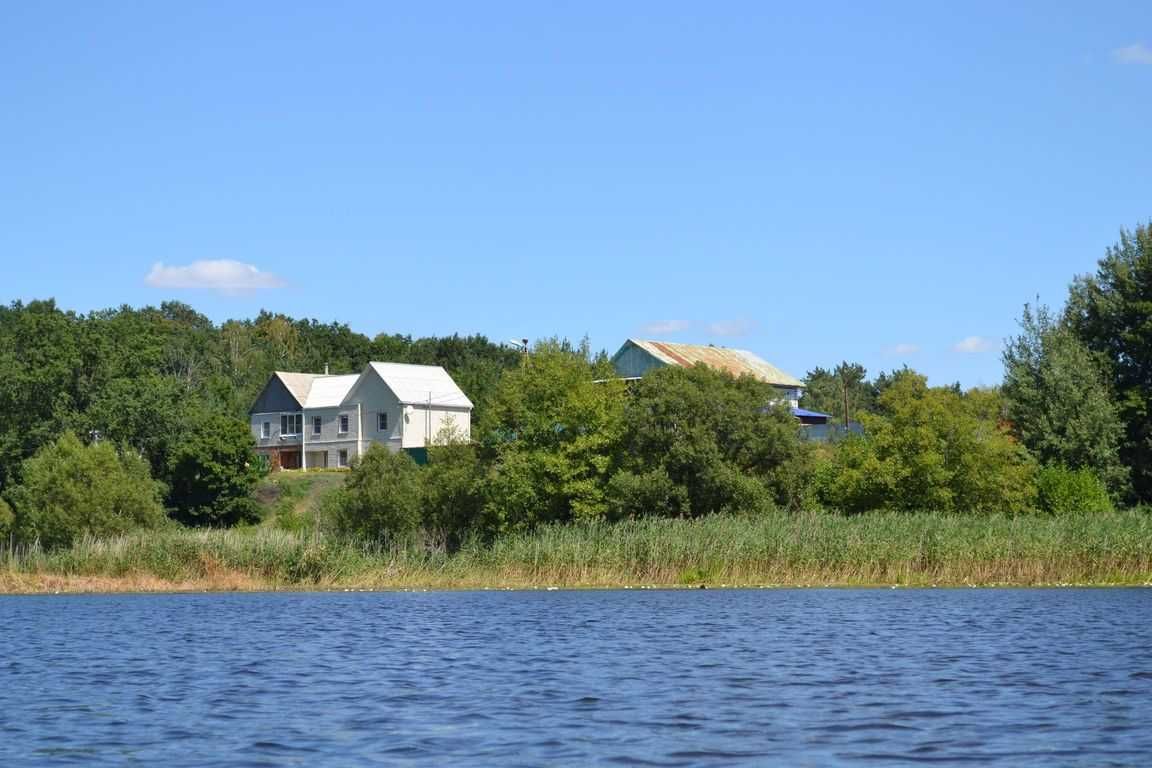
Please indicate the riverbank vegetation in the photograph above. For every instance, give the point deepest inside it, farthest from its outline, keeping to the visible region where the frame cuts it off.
(778, 549)
(122, 432)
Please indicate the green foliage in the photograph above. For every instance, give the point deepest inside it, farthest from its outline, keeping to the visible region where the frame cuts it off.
(292, 501)
(1063, 491)
(453, 493)
(717, 438)
(40, 365)
(7, 521)
(141, 376)
(652, 493)
(550, 432)
(826, 391)
(212, 471)
(1058, 401)
(69, 490)
(1111, 313)
(381, 499)
(929, 448)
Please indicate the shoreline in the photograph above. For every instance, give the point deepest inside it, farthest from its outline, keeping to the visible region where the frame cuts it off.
(145, 584)
(807, 550)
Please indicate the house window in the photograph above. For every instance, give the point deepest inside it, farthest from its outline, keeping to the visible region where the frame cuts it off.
(266, 430)
(343, 423)
(291, 423)
(343, 458)
(382, 421)
(316, 425)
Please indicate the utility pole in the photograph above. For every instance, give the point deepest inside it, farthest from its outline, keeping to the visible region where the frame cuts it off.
(844, 390)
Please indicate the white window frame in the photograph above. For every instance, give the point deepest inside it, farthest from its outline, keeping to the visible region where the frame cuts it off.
(265, 430)
(382, 421)
(317, 425)
(342, 424)
(294, 423)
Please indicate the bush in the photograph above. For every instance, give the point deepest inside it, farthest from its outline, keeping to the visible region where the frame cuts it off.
(718, 438)
(452, 493)
(69, 490)
(929, 449)
(651, 494)
(1064, 491)
(212, 472)
(381, 498)
(7, 519)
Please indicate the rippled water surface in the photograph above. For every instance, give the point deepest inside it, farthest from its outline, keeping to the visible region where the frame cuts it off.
(759, 677)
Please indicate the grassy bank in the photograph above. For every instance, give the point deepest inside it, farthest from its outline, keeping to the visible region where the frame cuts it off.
(810, 549)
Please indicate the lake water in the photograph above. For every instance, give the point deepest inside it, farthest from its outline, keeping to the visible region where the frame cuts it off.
(665, 678)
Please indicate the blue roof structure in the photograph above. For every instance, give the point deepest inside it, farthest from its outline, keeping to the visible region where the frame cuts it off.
(804, 412)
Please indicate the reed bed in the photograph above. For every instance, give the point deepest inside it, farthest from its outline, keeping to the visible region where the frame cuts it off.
(811, 549)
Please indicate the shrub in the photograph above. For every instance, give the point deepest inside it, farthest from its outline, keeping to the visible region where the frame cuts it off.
(213, 471)
(717, 437)
(650, 494)
(1064, 491)
(929, 449)
(381, 498)
(452, 493)
(7, 519)
(69, 490)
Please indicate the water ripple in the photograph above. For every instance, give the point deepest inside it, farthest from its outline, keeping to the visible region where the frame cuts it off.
(653, 678)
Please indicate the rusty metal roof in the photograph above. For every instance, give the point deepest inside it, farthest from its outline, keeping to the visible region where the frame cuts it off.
(735, 361)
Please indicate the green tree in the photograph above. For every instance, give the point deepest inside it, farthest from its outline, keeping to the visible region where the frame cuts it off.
(719, 438)
(930, 449)
(633, 495)
(1059, 402)
(40, 361)
(825, 391)
(1063, 491)
(381, 499)
(68, 490)
(1111, 313)
(453, 493)
(7, 522)
(212, 471)
(551, 429)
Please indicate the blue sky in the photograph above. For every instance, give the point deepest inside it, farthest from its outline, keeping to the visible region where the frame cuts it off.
(879, 182)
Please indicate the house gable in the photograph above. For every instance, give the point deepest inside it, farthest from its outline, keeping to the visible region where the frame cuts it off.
(633, 361)
(275, 398)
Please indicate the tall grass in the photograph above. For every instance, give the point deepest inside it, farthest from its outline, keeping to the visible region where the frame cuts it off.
(807, 549)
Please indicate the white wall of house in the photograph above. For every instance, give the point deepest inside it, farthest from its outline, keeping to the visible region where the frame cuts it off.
(376, 398)
(422, 427)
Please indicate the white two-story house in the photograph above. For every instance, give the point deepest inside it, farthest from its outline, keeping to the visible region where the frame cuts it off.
(313, 421)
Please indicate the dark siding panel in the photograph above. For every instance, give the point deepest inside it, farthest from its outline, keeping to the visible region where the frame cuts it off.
(275, 398)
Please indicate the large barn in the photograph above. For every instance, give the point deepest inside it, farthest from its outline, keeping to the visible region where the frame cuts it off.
(638, 356)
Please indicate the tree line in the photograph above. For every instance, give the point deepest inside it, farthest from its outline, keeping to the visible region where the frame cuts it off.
(557, 439)
(167, 387)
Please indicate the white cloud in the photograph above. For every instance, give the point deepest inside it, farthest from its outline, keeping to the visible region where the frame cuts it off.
(730, 328)
(221, 275)
(972, 345)
(902, 349)
(1137, 53)
(663, 327)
